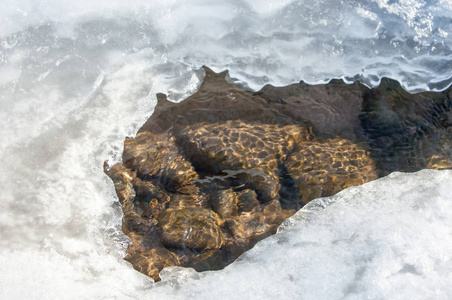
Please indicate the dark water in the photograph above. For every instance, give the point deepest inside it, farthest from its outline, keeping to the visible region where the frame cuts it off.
(206, 179)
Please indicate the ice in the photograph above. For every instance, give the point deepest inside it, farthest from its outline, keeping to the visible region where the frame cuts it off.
(387, 239)
(259, 43)
(77, 77)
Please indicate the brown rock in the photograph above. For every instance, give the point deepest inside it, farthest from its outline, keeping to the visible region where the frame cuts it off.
(195, 228)
(156, 158)
(208, 260)
(247, 201)
(224, 203)
(207, 178)
(153, 261)
(321, 169)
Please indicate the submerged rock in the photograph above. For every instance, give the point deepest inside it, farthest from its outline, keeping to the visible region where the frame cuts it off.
(194, 228)
(153, 261)
(206, 179)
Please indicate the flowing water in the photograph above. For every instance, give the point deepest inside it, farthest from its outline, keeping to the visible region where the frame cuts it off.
(77, 77)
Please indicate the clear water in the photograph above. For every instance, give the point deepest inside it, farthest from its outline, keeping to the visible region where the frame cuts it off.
(77, 77)
(388, 239)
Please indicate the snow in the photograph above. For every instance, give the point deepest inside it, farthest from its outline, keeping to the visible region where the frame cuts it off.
(388, 239)
(77, 77)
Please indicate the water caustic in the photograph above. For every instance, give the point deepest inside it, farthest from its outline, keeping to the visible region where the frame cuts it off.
(206, 179)
(77, 77)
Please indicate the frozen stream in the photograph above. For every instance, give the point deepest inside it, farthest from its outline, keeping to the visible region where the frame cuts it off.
(77, 77)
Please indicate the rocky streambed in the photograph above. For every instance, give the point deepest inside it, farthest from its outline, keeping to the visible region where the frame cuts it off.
(204, 180)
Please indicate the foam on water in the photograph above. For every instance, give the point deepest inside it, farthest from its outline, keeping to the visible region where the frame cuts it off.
(77, 77)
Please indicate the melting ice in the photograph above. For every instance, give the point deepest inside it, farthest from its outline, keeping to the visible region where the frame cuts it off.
(76, 78)
(388, 239)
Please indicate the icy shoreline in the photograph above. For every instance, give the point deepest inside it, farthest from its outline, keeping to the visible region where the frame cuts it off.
(389, 238)
(78, 77)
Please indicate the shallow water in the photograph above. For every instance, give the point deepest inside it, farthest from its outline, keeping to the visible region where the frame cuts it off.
(389, 238)
(76, 78)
